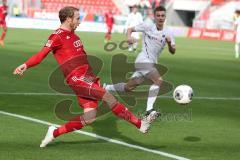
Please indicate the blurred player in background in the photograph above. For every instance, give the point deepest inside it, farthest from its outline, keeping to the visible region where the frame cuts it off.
(237, 28)
(109, 20)
(69, 52)
(149, 18)
(3, 14)
(155, 36)
(133, 19)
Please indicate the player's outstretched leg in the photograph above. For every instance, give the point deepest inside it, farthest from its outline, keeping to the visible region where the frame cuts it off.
(124, 87)
(152, 95)
(122, 112)
(48, 137)
(76, 123)
(119, 87)
(53, 132)
(151, 114)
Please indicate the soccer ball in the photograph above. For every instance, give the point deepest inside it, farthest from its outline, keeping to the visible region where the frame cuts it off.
(183, 94)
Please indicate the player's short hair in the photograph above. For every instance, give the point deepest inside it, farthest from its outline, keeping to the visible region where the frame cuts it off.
(159, 8)
(237, 12)
(67, 12)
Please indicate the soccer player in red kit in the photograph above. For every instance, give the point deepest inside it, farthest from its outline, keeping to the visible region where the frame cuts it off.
(109, 20)
(69, 52)
(3, 14)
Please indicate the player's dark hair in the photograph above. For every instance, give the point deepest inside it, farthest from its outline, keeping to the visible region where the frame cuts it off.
(67, 12)
(159, 8)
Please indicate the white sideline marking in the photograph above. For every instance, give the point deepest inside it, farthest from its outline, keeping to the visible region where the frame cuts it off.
(61, 94)
(99, 137)
(36, 94)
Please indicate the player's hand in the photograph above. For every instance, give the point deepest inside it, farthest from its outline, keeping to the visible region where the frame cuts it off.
(20, 69)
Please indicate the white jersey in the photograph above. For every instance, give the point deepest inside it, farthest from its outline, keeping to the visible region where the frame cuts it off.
(237, 22)
(133, 20)
(153, 42)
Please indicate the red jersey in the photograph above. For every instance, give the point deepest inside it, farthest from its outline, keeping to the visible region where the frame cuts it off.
(109, 18)
(3, 12)
(69, 52)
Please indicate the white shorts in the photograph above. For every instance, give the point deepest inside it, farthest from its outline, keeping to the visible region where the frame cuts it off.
(143, 70)
(140, 73)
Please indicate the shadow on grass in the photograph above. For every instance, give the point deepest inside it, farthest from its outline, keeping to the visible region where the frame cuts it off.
(108, 128)
(192, 139)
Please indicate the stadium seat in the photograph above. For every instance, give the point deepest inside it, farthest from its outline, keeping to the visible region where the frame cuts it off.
(89, 6)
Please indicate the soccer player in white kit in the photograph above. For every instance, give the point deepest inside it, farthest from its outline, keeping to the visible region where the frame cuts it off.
(134, 18)
(237, 42)
(154, 39)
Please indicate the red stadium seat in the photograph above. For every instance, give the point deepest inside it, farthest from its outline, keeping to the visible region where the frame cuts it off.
(88, 6)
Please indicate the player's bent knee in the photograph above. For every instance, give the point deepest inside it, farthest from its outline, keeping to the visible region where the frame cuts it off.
(89, 115)
(109, 99)
(90, 121)
(158, 82)
(129, 88)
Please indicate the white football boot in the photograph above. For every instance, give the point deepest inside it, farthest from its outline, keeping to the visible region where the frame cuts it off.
(145, 126)
(148, 118)
(49, 137)
(152, 115)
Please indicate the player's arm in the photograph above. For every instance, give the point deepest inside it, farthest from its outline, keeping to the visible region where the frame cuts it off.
(130, 39)
(171, 45)
(171, 42)
(33, 61)
(138, 28)
(54, 42)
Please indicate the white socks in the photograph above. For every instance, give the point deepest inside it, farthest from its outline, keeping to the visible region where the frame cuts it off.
(119, 87)
(237, 46)
(133, 47)
(152, 96)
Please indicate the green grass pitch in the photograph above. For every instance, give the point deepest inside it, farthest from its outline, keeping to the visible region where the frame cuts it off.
(211, 130)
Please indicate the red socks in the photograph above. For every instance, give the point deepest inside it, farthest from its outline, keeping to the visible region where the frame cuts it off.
(74, 124)
(108, 36)
(3, 35)
(122, 112)
(77, 123)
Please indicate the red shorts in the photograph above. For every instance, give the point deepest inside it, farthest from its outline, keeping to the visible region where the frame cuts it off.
(3, 24)
(109, 27)
(87, 89)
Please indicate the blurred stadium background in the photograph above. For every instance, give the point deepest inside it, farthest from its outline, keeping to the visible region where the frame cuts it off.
(195, 18)
(207, 129)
